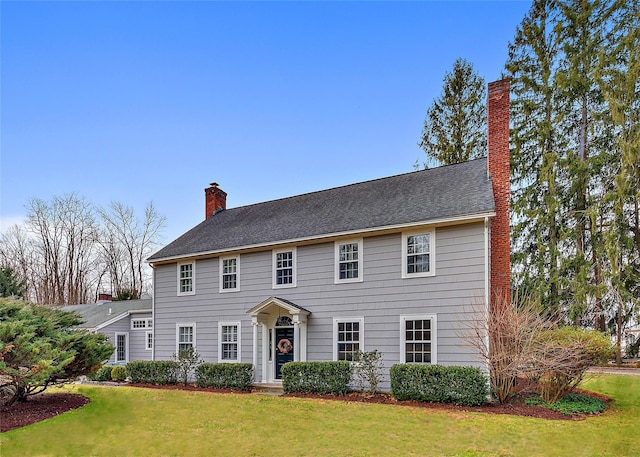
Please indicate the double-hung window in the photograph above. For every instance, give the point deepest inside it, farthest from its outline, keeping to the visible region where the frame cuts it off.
(185, 337)
(348, 338)
(418, 254)
(418, 339)
(348, 261)
(230, 274)
(229, 341)
(186, 278)
(284, 268)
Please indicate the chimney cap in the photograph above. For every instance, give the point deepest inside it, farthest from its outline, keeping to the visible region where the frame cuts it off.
(214, 184)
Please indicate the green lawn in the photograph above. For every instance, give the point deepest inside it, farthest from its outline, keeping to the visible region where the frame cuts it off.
(145, 422)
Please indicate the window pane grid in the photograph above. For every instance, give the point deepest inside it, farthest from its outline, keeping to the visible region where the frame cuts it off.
(186, 278)
(418, 253)
(229, 277)
(229, 342)
(348, 261)
(284, 268)
(418, 341)
(348, 340)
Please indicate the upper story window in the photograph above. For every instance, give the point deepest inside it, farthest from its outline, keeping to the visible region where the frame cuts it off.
(229, 274)
(284, 268)
(141, 323)
(186, 278)
(418, 254)
(418, 339)
(348, 338)
(348, 261)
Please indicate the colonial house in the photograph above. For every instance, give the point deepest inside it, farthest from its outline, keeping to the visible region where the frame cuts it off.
(401, 265)
(127, 323)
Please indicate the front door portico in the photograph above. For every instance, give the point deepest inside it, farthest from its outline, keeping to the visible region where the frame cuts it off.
(284, 337)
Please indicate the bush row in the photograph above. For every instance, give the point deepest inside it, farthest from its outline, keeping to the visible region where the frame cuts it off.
(219, 375)
(153, 372)
(437, 383)
(225, 375)
(316, 377)
(434, 383)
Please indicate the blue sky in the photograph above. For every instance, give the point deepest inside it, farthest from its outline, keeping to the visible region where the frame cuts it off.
(141, 101)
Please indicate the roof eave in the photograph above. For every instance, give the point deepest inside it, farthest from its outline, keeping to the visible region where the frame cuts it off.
(433, 222)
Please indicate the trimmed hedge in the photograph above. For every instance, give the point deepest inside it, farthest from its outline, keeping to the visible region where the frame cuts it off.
(316, 377)
(153, 371)
(436, 383)
(225, 375)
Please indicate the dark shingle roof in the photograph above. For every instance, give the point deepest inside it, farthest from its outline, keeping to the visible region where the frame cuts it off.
(94, 314)
(443, 192)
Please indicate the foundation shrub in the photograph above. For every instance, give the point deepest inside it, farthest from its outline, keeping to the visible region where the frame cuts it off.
(225, 375)
(316, 377)
(436, 383)
(153, 372)
(119, 373)
(103, 373)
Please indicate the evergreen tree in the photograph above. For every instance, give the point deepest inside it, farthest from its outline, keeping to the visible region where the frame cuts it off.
(10, 284)
(536, 150)
(455, 126)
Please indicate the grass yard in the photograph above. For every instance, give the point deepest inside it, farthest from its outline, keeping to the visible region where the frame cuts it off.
(145, 422)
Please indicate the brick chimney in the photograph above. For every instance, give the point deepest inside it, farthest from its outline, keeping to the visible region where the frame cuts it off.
(499, 171)
(215, 199)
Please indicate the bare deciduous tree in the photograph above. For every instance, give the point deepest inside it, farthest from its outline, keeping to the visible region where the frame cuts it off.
(127, 242)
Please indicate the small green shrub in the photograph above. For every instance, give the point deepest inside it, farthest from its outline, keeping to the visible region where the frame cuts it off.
(225, 375)
(316, 377)
(153, 372)
(187, 360)
(119, 373)
(572, 404)
(103, 374)
(437, 383)
(367, 371)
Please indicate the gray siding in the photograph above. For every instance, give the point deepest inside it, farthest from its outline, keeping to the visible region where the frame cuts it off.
(137, 341)
(381, 298)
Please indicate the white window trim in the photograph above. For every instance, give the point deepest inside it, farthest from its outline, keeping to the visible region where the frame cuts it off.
(337, 245)
(148, 322)
(432, 253)
(185, 324)
(146, 340)
(126, 347)
(434, 335)
(193, 278)
(294, 267)
(237, 288)
(336, 321)
(220, 325)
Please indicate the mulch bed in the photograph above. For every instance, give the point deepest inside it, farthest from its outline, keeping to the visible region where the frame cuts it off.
(46, 405)
(38, 408)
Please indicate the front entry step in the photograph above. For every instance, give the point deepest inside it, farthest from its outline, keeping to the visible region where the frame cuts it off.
(274, 388)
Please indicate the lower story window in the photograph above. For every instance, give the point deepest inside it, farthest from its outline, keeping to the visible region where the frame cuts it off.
(348, 338)
(148, 340)
(186, 337)
(418, 339)
(229, 342)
